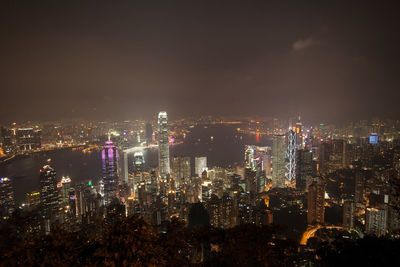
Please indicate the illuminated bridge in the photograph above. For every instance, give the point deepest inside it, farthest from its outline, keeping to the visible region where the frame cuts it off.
(311, 232)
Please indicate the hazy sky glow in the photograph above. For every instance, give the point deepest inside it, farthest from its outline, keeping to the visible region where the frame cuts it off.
(328, 60)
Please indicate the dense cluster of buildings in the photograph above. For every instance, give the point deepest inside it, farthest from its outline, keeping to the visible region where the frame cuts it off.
(306, 171)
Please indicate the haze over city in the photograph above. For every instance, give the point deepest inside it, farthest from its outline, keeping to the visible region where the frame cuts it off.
(329, 61)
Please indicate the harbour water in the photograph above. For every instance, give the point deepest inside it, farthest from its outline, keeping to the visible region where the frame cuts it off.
(222, 145)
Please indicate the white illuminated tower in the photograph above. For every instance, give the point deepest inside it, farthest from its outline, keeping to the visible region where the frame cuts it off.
(291, 155)
(163, 144)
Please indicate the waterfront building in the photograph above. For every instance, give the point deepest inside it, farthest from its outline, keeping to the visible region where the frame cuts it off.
(7, 204)
(49, 196)
(28, 138)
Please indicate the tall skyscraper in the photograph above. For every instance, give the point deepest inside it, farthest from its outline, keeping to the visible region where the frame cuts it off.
(163, 144)
(304, 168)
(66, 187)
(138, 171)
(278, 160)
(48, 191)
(7, 203)
(249, 157)
(149, 133)
(124, 167)
(109, 156)
(200, 165)
(260, 174)
(7, 140)
(348, 214)
(181, 169)
(316, 203)
(291, 155)
(299, 134)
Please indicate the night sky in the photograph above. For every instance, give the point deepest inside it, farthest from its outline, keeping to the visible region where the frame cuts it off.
(327, 60)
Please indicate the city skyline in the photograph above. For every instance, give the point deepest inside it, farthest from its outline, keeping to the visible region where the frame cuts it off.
(199, 133)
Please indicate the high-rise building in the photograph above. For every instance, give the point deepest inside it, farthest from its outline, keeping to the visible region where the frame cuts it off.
(376, 221)
(163, 144)
(333, 155)
(291, 155)
(206, 190)
(260, 175)
(7, 204)
(348, 214)
(7, 140)
(316, 203)
(124, 172)
(48, 191)
(304, 168)
(200, 165)
(65, 189)
(250, 177)
(278, 160)
(33, 200)
(138, 172)
(149, 133)
(249, 156)
(181, 169)
(109, 156)
(299, 134)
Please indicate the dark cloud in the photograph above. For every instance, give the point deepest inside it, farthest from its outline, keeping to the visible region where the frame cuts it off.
(303, 44)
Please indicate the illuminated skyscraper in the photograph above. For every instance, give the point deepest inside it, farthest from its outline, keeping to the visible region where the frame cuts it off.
(291, 155)
(260, 174)
(124, 171)
(249, 157)
(138, 168)
(66, 187)
(48, 191)
(200, 165)
(250, 177)
(299, 134)
(6, 197)
(109, 157)
(163, 144)
(181, 169)
(278, 160)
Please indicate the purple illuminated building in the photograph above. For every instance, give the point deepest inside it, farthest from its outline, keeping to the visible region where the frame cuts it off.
(109, 157)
